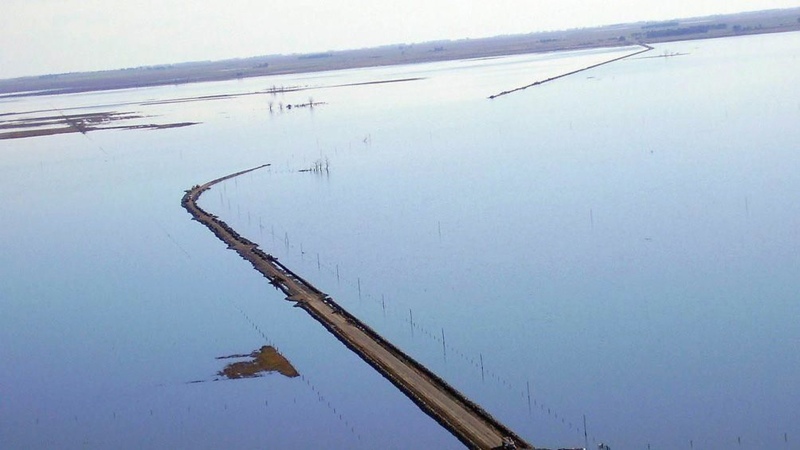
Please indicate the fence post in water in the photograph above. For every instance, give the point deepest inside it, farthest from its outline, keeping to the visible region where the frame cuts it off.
(528, 383)
(483, 378)
(444, 346)
(586, 433)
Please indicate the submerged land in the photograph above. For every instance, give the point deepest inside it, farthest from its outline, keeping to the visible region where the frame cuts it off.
(772, 21)
(84, 122)
(56, 122)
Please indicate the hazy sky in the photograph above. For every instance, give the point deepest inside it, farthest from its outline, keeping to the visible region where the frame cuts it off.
(52, 36)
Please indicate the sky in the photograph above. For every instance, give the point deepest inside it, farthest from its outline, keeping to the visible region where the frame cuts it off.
(55, 36)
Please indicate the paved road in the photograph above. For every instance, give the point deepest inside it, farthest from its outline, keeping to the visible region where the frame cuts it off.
(466, 420)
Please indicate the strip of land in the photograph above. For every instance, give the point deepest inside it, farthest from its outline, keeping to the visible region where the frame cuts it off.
(646, 48)
(773, 21)
(49, 124)
(466, 420)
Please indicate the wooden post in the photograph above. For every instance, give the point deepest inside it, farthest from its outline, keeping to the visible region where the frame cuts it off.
(586, 433)
(528, 383)
(444, 346)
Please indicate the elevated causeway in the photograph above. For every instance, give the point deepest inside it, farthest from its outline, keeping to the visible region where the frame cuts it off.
(466, 420)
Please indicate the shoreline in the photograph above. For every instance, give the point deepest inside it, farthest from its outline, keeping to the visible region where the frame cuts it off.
(620, 35)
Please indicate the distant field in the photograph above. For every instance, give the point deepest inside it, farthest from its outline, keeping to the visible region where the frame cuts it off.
(773, 21)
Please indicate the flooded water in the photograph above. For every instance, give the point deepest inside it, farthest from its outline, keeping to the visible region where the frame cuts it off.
(619, 245)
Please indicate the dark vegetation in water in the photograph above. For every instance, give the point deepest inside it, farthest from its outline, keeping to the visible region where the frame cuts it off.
(321, 166)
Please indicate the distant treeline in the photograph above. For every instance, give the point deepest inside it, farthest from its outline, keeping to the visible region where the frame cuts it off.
(316, 55)
(683, 31)
(673, 23)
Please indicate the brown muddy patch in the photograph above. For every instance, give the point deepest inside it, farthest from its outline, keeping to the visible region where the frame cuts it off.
(265, 360)
(47, 125)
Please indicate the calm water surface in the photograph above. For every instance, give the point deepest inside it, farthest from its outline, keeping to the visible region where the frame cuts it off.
(620, 244)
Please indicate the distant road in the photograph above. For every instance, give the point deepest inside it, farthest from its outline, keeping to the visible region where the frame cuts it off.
(773, 21)
(645, 48)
